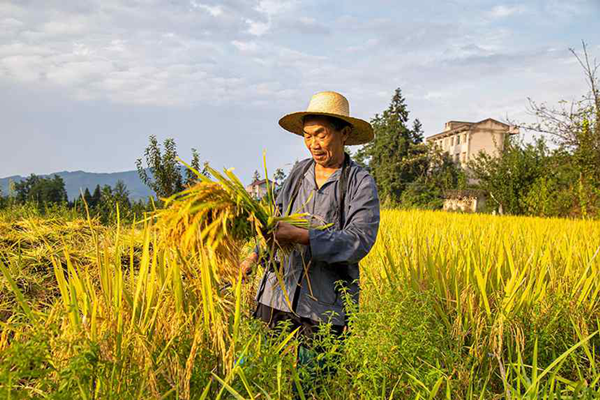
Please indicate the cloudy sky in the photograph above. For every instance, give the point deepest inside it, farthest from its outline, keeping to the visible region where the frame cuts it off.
(84, 83)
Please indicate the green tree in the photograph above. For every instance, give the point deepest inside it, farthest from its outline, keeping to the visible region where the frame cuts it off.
(575, 128)
(41, 190)
(437, 174)
(23, 188)
(395, 157)
(107, 206)
(278, 177)
(82, 200)
(256, 176)
(96, 197)
(121, 195)
(190, 176)
(87, 196)
(509, 178)
(163, 173)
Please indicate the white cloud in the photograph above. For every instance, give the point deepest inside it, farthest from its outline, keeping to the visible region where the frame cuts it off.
(274, 7)
(568, 9)
(23, 68)
(257, 28)
(270, 10)
(248, 47)
(215, 11)
(436, 95)
(253, 52)
(503, 11)
(10, 23)
(64, 28)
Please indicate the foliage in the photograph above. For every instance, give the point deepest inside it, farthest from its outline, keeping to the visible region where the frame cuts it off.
(395, 157)
(575, 126)
(568, 183)
(532, 179)
(41, 190)
(163, 174)
(509, 178)
(439, 174)
(190, 177)
(256, 176)
(110, 204)
(279, 177)
(96, 197)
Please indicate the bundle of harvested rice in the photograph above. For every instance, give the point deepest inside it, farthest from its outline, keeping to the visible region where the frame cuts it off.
(221, 215)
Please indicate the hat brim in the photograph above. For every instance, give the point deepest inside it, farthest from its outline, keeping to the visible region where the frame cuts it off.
(362, 131)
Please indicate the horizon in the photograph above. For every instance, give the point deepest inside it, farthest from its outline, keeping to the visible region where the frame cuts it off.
(83, 85)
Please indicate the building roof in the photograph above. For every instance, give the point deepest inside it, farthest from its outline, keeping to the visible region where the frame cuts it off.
(465, 126)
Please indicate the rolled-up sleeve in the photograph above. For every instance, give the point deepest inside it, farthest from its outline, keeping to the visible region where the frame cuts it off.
(358, 235)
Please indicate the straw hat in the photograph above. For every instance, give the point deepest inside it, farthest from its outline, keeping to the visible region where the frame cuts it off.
(334, 105)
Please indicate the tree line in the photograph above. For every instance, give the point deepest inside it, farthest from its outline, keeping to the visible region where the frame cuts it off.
(48, 194)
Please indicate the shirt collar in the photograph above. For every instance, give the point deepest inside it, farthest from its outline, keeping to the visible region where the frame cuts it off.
(310, 176)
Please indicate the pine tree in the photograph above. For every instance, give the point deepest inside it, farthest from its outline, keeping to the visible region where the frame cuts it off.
(279, 177)
(96, 197)
(256, 176)
(121, 195)
(392, 157)
(190, 176)
(87, 196)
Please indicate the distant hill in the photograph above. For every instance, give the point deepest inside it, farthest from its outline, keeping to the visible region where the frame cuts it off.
(79, 180)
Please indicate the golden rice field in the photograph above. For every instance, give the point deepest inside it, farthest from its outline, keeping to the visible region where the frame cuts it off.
(453, 306)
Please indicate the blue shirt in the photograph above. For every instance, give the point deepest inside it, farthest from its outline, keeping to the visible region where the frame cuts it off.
(309, 274)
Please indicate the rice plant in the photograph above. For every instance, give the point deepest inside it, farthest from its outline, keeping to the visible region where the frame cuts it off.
(452, 306)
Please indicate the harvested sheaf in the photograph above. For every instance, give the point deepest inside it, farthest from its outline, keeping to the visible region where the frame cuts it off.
(222, 216)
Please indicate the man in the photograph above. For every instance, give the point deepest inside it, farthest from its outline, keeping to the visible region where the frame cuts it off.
(333, 190)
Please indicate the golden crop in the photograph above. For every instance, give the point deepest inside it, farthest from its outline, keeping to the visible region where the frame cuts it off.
(494, 282)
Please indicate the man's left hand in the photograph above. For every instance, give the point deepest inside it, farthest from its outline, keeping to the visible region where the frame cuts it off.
(287, 233)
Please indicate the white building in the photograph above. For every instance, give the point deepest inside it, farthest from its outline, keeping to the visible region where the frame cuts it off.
(258, 188)
(465, 140)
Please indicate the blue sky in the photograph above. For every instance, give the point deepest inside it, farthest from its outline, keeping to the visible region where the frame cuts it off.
(84, 83)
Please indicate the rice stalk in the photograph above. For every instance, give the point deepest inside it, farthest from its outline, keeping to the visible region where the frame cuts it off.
(220, 216)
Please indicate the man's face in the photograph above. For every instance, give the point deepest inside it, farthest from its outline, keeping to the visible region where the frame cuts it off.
(326, 145)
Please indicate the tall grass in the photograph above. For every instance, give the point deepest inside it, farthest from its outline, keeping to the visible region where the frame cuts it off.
(452, 306)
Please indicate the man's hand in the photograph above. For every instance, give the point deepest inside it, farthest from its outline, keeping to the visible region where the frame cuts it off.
(287, 233)
(247, 264)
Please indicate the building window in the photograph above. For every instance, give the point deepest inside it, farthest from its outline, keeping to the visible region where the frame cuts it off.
(464, 157)
(464, 138)
(456, 157)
